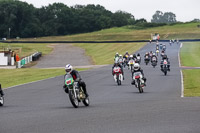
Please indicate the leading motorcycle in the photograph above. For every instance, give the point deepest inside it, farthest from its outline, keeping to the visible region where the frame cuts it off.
(139, 82)
(76, 93)
(117, 74)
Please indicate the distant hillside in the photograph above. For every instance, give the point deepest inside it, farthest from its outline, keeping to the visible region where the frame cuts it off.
(130, 33)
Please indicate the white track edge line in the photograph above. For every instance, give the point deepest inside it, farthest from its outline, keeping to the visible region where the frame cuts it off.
(182, 83)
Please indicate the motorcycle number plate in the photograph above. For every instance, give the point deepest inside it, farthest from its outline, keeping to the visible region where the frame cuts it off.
(68, 82)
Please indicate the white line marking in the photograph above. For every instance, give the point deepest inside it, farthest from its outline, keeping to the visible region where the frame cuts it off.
(182, 84)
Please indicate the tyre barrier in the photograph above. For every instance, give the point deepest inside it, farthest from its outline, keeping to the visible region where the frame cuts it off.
(26, 60)
(36, 56)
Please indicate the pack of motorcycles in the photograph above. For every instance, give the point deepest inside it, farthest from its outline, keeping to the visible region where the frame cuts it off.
(137, 76)
(76, 94)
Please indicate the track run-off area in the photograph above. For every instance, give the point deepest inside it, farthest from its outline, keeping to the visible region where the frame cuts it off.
(43, 107)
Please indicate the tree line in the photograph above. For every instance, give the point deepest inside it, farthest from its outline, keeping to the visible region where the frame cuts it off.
(20, 19)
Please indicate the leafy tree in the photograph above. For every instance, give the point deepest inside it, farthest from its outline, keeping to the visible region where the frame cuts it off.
(160, 17)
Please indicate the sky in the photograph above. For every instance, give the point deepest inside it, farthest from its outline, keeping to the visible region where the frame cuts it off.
(185, 10)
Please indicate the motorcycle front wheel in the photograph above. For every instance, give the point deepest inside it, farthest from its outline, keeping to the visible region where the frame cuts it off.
(118, 80)
(1, 101)
(139, 87)
(73, 99)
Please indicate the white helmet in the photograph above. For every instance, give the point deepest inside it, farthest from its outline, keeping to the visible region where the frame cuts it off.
(136, 66)
(68, 68)
(120, 55)
(131, 56)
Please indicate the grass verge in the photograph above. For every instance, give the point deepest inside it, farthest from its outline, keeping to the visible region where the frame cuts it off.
(27, 49)
(104, 53)
(191, 83)
(190, 54)
(12, 77)
(129, 33)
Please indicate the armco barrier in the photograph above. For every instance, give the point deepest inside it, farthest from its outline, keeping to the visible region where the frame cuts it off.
(28, 59)
(183, 40)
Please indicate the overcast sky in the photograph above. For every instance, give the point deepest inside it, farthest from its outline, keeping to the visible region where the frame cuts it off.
(185, 10)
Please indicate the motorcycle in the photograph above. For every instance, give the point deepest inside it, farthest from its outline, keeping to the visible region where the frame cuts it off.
(131, 64)
(139, 82)
(165, 67)
(139, 59)
(76, 93)
(117, 74)
(120, 61)
(162, 53)
(154, 62)
(1, 100)
(146, 60)
(125, 62)
(157, 52)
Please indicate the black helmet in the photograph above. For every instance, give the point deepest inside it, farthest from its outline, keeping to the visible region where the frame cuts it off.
(134, 55)
(138, 54)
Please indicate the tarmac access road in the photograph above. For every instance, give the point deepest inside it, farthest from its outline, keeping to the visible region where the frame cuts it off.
(43, 107)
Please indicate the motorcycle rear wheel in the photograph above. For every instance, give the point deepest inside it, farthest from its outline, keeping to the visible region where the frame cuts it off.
(139, 87)
(86, 101)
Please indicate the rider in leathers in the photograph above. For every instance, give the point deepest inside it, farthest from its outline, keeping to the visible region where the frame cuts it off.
(76, 77)
(138, 69)
(1, 91)
(168, 63)
(116, 64)
(154, 56)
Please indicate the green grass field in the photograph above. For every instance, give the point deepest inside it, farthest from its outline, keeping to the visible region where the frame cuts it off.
(12, 77)
(104, 53)
(191, 83)
(190, 54)
(27, 49)
(129, 33)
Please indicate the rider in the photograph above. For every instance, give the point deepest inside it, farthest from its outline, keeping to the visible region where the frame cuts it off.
(146, 56)
(134, 57)
(138, 69)
(138, 58)
(126, 55)
(150, 53)
(120, 59)
(154, 57)
(116, 55)
(1, 91)
(116, 64)
(76, 77)
(164, 47)
(168, 63)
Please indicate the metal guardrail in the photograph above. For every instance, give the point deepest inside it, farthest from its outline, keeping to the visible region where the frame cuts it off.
(183, 40)
(28, 59)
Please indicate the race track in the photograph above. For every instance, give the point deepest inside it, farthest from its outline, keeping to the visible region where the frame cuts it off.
(43, 107)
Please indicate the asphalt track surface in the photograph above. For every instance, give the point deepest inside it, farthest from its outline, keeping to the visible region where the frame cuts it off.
(43, 107)
(61, 55)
